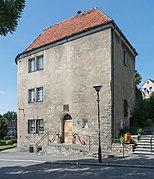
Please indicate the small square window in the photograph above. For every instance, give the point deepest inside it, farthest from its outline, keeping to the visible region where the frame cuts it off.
(84, 123)
(125, 58)
(125, 108)
(66, 107)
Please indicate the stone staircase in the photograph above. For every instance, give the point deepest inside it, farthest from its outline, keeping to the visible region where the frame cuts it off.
(143, 146)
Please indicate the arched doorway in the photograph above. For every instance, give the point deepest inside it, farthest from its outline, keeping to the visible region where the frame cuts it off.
(67, 128)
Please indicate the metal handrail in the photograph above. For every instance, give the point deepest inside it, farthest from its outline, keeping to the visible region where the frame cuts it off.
(151, 141)
(41, 139)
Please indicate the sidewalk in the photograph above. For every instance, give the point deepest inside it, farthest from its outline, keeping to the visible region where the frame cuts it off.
(131, 161)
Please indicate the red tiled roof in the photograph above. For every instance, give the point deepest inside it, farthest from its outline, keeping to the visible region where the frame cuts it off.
(11, 124)
(78, 23)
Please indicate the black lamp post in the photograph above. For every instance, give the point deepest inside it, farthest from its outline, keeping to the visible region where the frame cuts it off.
(98, 88)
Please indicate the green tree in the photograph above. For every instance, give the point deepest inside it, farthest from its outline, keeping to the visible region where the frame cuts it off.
(138, 78)
(152, 95)
(10, 13)
(10, 115)
(151, 106)
(3, 127)
(144, 113)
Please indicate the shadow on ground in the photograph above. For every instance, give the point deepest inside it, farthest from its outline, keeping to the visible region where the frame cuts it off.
(73, 170)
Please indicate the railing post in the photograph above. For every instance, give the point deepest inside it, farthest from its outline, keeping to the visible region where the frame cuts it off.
(151, 141)
(89, 143)
(48, 138)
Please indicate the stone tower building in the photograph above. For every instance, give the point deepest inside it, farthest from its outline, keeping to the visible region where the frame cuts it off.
(56, 75)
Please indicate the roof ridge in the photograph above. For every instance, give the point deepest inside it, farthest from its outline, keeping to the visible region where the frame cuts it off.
(82, 13)
(82, 21)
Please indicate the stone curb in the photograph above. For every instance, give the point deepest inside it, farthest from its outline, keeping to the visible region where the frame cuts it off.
(22, 160)
(79, 163)
(102, 164)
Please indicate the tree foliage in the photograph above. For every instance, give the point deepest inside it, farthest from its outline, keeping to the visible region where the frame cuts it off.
(10, 115)
(138, 78)
(144, 113)
(10, 13)
(3, 127)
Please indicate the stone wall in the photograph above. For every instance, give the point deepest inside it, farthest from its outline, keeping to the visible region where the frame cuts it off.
(70, 72)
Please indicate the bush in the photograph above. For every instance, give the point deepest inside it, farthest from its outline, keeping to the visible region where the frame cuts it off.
(14, 141)
(133, 141)
(122, 139)
(149, 122)
(139, 131)
(9, 142)
(2, 142)
(124, 131)
(7, 138)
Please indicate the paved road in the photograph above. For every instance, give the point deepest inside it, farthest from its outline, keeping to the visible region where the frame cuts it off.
(25, 170)
(19, 165)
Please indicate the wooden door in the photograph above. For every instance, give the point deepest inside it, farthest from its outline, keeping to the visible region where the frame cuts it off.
(68, 131)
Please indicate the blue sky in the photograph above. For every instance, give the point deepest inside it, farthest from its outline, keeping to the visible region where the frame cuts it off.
(134, 17)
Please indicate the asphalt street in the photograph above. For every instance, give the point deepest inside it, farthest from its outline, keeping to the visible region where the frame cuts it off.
(19, 165)
(25, 170)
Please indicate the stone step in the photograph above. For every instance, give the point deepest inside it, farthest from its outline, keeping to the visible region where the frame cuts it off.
(143, 146)
(145, 139)
(143, 153)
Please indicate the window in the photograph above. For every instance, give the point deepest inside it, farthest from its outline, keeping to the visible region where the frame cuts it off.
(31, 65)
(35, 126)
(40, 62)
(35, 95)
(40, 125)
(125, 58)
(84, 123)
(36, 63)
(31, 126)
(66, 107)
(125, 108)
(150, 89)
(31, 95)
(39, 94)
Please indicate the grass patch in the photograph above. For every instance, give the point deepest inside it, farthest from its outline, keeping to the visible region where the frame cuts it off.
(4, 147)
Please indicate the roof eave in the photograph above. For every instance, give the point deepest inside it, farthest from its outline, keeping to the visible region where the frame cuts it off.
(61, 39)
(108, 24)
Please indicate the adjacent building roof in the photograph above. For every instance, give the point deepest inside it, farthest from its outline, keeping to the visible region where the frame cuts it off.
(11, 124)
(151, 80)
(146, 81)
(73, 25)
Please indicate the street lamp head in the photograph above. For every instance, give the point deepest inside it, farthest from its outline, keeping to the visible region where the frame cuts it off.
(97, 87)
